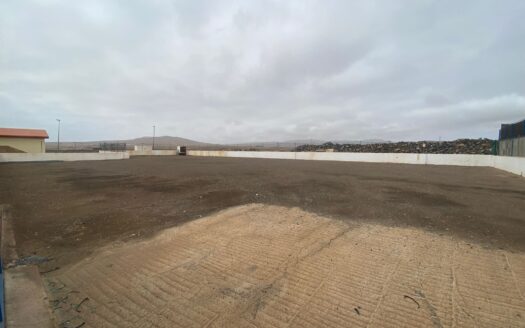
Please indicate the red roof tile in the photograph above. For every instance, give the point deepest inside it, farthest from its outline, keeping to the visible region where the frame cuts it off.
(23, 133)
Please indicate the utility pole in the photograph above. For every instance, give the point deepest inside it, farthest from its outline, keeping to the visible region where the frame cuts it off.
(153, 144)
(58, 137)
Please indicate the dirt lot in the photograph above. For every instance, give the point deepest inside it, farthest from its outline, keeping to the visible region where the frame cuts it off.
(65, 210)
(267, 266)
(70, 211)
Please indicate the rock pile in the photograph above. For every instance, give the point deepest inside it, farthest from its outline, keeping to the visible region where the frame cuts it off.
(460, 146)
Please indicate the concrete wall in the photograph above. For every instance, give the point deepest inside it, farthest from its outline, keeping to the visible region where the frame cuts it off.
(512, 147)
(46, 157)
(514, 165)
(433, 159)
(510, 164)
(143, 148)
(28, 145)
(459, 159)
(152, 152)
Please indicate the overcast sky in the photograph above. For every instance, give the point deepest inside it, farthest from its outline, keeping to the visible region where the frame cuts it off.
(240, 71)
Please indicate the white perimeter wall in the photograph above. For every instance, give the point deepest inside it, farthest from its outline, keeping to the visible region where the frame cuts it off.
(514, 165)
(152, 152)
(46, 157)
(511, 164)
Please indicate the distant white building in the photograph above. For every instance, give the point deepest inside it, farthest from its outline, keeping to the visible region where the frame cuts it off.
(143, 148)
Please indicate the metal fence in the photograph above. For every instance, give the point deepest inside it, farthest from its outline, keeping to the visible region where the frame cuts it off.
(112, 146)
(512, 147)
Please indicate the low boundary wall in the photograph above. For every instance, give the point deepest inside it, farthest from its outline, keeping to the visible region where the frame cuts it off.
(514, 165)
(61, 157)
(511, 164)
(152, 152)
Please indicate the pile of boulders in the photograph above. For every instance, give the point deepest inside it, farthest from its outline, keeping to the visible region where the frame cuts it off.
(460, 146)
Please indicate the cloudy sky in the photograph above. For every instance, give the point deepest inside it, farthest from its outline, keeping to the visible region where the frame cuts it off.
(240, 71)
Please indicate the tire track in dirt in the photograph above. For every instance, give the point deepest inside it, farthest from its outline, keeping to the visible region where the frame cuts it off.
(268, 266)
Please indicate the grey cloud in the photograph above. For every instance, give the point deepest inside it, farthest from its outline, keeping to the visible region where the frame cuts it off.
(235, 71)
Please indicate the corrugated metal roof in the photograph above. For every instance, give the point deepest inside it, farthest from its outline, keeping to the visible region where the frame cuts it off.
(23, 133)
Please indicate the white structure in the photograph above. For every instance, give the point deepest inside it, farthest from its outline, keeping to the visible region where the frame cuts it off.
(514, 165)
(62, 157)
(143, 148)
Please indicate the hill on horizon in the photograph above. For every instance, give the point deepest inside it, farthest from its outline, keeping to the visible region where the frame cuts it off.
(165, 140)
(170, 142)
(300, 142)
(160, 142)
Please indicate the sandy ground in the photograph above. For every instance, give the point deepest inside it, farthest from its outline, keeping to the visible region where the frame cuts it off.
(269, 266)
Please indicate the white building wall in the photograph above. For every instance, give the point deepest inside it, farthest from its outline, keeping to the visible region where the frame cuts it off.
(28, 145)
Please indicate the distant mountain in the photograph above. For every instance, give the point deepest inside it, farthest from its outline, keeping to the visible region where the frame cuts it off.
(286, 143)
(165, 140)
(162, 142)
(169, 142)
(361, 142)
(305, 142)
(299, 142)
(291, 144)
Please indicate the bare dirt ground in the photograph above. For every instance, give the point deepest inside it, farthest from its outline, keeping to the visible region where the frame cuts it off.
(66, 210)
(464, 229)
(268, 266)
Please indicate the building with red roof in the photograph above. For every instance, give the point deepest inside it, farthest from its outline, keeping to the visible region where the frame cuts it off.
(23, 140)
